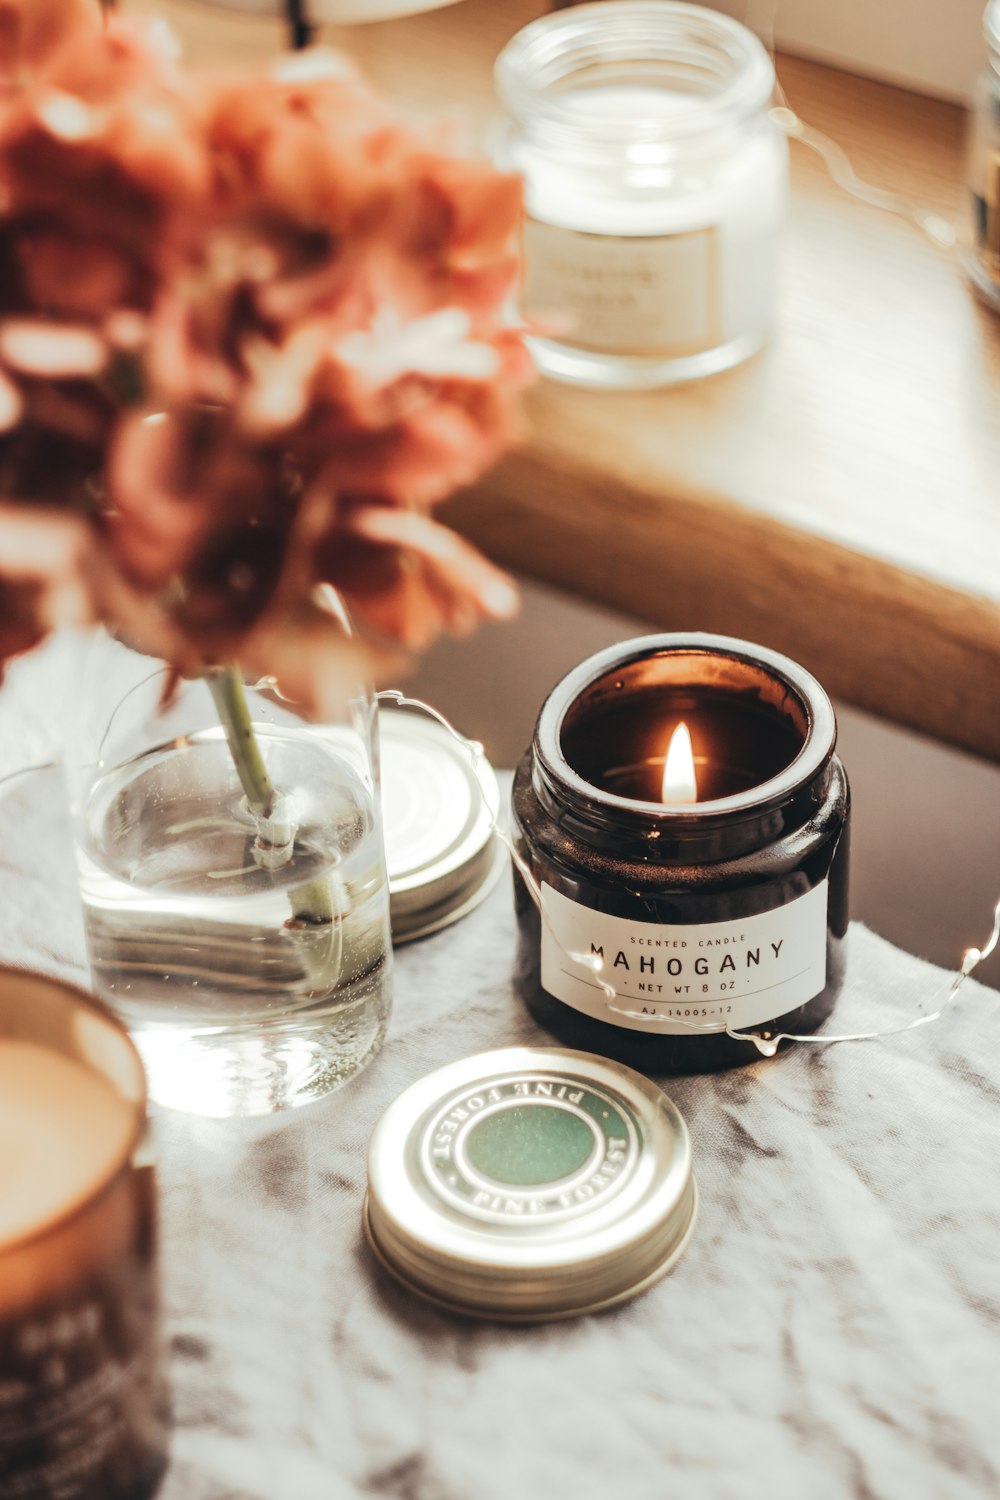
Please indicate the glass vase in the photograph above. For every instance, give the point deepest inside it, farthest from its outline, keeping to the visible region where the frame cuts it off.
(233, 879)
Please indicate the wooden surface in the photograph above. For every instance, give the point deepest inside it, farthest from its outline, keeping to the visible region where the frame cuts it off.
(839, 496)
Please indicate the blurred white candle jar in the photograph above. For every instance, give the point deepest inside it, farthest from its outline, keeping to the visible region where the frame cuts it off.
(233, 876)
(656, 183)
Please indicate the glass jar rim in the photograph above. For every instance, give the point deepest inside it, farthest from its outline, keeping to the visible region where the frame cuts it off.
(554, 47)
(68, 997)
(818, 744)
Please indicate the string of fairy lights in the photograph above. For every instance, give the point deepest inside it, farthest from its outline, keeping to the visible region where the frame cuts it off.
(766, 1042)
(762, 18)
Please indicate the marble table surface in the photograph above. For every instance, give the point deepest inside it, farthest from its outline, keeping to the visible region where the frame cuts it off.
(833, 1330)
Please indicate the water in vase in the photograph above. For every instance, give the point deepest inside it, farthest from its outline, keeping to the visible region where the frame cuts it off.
(210, 951)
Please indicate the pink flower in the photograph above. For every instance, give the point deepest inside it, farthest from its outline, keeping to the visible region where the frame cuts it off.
(48, 575)
(99, 169)
(251, 330)
(31, 30)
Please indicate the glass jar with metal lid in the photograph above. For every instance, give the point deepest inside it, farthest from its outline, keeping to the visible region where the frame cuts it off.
(982, 261)
(655, 183)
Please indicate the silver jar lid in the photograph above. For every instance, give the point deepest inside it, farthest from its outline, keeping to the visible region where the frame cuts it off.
(529, 1184)
(438, 807)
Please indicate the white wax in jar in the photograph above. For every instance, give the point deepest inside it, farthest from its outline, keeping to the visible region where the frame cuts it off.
(707, 206)
(63, 1132)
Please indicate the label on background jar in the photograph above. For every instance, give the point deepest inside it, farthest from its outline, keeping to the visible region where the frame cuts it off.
(624, 294)
(83, 1406)
(672, 978)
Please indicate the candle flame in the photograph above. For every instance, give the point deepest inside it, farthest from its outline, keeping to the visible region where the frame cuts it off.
(679, 781)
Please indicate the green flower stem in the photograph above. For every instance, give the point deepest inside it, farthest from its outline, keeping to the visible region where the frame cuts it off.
(229, 694)
(312, 903)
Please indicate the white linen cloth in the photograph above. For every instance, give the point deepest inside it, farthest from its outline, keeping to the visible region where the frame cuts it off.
(831, 1333)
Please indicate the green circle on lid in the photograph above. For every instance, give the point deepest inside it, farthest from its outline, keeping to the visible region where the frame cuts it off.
(529, 1144)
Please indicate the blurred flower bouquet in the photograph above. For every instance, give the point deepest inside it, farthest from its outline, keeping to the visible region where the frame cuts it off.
(251, 330)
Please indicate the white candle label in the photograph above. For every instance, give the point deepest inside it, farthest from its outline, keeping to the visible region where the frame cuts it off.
(672, 978)
(630, 294)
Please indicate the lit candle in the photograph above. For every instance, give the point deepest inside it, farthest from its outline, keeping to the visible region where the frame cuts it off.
(736, 739)
(682, 817)
(680, 781)
(84, 1408)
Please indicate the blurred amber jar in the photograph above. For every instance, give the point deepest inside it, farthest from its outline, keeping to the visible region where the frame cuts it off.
(83, 1403)
(664, 926)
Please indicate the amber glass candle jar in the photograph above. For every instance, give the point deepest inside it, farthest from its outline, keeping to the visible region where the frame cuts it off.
(84, 1410)
(671, 905)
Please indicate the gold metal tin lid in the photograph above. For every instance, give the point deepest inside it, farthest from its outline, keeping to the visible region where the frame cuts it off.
(438, 811)
(529, 1184)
